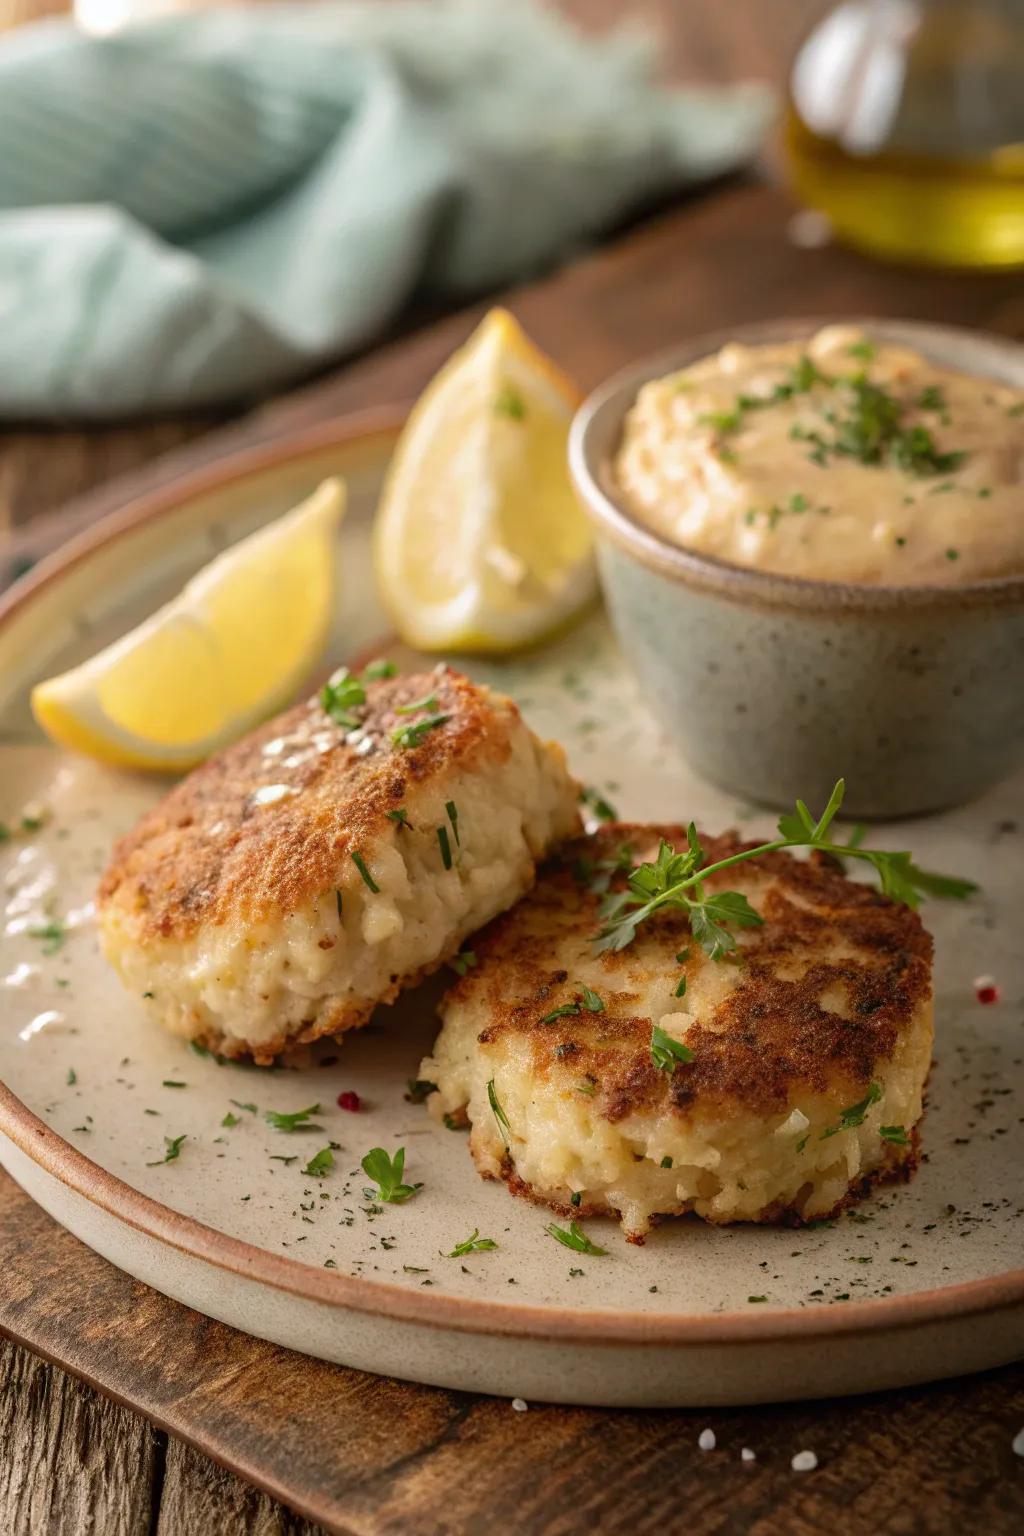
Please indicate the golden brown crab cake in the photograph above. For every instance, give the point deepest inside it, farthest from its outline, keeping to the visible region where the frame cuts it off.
(800, 1050)
(315, 869)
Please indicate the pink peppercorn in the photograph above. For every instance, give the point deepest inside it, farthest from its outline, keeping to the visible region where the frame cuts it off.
(349, 1100)
(985, 989)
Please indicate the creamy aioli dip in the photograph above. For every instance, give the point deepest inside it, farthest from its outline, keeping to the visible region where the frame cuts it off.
(835, 458)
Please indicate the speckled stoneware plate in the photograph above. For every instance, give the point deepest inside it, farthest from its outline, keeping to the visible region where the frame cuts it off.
(917, 1282)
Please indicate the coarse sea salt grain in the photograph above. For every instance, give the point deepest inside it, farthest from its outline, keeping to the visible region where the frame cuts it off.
(1018, 1443)
(747, 1454)
(519, 1405)
(804, 1461)
(706, 1440)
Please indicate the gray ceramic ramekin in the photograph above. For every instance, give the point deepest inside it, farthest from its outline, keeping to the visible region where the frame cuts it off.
(775, 686)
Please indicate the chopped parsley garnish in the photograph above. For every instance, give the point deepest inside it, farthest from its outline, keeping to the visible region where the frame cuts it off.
(368, 880)
(931, 399)
(412, 735)
(452, 812)
(667, 1053)
(574, 1238)
(591, 1001)
(52, 934)
(598, 804)
(72, 1077)
(498, 1112)
(509, 402)
(472, 1244)
(564, 1011)
(587, 1086)
(678, 880)
(464, 961)
(170, 1082)
(400, 817)
(296, 1120)
(864, 350)
(445, 846)
(320, 1163)
(386, 1172)
(249, 1108)
(681, 988)
(379, 668)
(666, 1162)
(419, 1089)
(897, 1134)
(952, 554)
(854, 1114)
(867, 425)
(757, 1298)
(173, 1145)
(429, 701)
(231, 1120)
(342, 693)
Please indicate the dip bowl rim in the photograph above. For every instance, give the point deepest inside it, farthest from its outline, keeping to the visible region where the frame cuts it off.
(596, 431)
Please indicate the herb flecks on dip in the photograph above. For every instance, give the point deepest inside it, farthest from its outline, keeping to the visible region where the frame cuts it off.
(836, 458)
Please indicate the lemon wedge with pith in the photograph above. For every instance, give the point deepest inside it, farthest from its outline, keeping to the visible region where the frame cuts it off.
(479, 544)
(227, 652)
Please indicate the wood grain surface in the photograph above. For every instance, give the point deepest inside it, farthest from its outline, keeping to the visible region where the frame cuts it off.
(376, 1458)
(370, 1457)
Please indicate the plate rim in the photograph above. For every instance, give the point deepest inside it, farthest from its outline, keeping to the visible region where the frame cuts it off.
(74, 1170)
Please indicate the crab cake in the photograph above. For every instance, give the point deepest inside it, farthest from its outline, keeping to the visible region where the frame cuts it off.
(316, 868)
(788, 1076)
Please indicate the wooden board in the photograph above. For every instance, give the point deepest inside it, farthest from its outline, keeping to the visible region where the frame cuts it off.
(362, 1454)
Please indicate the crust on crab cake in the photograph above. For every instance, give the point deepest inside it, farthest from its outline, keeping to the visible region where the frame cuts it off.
(277, 894)
(826, 1004)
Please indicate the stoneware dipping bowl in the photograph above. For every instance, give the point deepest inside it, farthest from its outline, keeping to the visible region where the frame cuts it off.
(775, 686)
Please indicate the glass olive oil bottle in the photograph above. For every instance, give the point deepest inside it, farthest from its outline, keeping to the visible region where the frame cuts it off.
(905, 127)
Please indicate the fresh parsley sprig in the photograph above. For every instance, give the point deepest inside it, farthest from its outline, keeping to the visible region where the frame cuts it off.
(386, 1172)
(677, 880)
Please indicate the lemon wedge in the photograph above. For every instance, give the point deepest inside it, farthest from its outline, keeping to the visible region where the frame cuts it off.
(227, 652)
(479, 544)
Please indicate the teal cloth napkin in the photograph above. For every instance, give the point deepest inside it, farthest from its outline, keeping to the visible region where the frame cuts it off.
(207, 207)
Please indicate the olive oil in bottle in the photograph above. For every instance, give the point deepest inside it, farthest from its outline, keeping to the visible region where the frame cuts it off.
(905, 127)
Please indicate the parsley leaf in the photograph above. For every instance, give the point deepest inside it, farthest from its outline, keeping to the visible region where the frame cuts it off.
(854, 1114)
(464, 961)
(565, 1011)
(320, 1163)
(574, 1238)
(897, 1134)
(498, 1112)
(342, 693)
(472, 1244)
(412, 735)
(592, 1002)
(602, 809)
(368, 880)
(297, 1120)
(386, 1172)
(173, 1145)
(666, 1052)
(379, 668)
(418, 1090)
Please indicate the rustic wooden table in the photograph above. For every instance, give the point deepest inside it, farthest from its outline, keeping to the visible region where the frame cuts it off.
(376, 1457)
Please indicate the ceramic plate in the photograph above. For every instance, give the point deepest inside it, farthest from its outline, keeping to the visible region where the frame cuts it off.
(916, 1282)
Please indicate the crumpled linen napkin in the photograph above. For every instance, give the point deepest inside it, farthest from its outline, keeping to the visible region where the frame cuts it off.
(207, 207)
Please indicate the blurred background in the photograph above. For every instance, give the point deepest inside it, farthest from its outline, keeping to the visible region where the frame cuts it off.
(203, 209)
